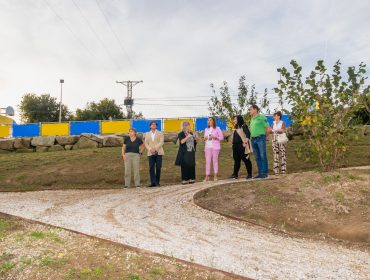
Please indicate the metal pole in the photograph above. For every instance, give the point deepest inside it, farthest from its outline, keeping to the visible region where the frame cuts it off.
(60, 103)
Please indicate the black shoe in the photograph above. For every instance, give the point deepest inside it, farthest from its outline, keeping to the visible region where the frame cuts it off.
(249, 177)
(233, 177)
(191, 181)
(157, 185)
(125, 187)
(151, 185)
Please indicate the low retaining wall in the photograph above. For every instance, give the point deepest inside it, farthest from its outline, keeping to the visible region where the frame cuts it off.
(83, 141)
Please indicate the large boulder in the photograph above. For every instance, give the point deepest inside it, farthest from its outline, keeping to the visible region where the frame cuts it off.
(41, 149)
(366, 130)
(67, 140)
(123, 135)
(44, 141)
(55, 148)
(22, 143)
(68, 147)
(7, 144)
(93, 137)
(112, 141)
(170, 137)
(86, 143)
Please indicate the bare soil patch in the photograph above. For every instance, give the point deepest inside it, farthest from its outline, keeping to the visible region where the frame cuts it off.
(334, 206)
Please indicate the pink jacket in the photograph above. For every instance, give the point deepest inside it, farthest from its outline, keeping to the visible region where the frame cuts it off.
(216, 133)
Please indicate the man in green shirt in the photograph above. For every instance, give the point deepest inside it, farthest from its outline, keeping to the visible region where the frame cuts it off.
(258, 135)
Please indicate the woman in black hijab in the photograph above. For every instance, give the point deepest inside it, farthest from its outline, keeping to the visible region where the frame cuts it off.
(241, 147)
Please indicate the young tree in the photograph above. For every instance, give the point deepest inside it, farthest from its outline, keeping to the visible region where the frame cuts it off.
(222, 105)
(41, 108)
(323, 106)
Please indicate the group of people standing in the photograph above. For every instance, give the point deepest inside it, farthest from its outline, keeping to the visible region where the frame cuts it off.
(245, 141)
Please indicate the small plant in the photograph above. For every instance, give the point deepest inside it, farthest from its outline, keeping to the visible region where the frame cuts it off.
(339, 197)
(134, 277)
(38, 235)
(98, 272)
(42, 235)
(6, 266)
(331, 179)
(47, 261)
(157, 272)
(274, 200)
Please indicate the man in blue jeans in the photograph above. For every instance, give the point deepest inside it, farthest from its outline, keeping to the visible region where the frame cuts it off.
(153, 142)
(258, 135)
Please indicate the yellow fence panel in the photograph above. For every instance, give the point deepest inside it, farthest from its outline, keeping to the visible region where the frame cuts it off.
(175, 125)
(54, 129)
(4, 131)
(109, 127)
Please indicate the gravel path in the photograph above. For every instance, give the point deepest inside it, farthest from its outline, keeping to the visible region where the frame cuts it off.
(165, 220)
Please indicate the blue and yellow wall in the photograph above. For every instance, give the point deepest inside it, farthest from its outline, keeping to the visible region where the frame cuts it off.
(106, 127)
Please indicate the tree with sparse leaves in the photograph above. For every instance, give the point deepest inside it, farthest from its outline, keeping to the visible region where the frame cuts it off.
(323, 105)
(222, 105)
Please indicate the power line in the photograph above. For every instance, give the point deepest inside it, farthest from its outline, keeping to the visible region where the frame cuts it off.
(96, 35)
(69, 29)
(185, 105)
(171, 105)
(115, 35)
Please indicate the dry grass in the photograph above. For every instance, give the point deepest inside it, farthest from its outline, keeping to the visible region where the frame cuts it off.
(103, 168)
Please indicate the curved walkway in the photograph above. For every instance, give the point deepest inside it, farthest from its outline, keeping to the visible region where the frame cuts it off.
(166, 221)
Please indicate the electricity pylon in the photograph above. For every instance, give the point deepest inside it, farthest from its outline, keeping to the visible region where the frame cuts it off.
(129, 101)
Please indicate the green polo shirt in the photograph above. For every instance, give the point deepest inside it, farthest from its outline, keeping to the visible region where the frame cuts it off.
(258, 125)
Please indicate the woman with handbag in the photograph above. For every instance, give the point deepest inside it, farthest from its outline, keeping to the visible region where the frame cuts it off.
(279, 143)
(242, 147)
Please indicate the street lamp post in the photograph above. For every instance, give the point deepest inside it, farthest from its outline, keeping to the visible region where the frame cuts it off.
(61, 96)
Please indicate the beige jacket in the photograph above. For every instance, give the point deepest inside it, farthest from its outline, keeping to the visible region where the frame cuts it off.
(157, 144)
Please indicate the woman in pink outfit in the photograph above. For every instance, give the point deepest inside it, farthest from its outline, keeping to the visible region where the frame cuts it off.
(212, 136)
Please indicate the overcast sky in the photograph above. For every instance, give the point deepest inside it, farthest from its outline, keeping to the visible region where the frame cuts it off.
(176, 47)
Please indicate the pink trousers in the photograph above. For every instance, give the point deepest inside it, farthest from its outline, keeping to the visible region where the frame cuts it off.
(211, 155)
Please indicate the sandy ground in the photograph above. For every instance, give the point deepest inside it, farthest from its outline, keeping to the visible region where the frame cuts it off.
(165, 220)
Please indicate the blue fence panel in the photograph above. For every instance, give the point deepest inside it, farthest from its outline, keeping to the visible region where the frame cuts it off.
(76, 128)
(201, 124)
(143, 125)
(285, 118)
(222, 124)
(26, 130)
